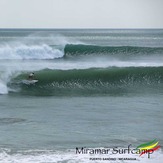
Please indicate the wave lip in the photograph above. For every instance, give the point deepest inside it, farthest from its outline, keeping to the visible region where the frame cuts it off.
(29, 52)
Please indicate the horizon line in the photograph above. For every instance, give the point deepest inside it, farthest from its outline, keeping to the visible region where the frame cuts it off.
(31, 28)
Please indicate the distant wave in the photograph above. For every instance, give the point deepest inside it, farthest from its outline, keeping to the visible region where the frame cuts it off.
(91, 81)
(80, 49)
(44, 51)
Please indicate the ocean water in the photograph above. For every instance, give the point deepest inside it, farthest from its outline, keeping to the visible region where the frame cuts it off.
(96, 89)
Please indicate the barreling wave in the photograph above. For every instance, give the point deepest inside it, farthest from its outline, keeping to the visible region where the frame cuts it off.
(91, 81)
(80, 49)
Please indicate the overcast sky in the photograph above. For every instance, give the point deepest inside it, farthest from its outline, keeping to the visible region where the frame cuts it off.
(81, 13)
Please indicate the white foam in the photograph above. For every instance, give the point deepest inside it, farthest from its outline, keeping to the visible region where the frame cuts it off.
(44, 51)
(69, 156)
(3, 88)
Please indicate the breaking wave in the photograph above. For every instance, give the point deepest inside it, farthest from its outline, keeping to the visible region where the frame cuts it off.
(79, 75)
(91, 81)
(29, 52)
(45, 51)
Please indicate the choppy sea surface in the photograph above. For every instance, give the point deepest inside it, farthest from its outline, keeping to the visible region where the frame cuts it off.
(96, 89)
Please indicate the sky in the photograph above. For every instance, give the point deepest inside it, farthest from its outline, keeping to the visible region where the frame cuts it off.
(81, 13)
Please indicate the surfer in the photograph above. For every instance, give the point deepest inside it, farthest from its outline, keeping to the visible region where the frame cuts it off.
(30, 80)
(31, 76)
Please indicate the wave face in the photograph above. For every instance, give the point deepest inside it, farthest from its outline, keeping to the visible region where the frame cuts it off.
(91, 81)
(80, 49)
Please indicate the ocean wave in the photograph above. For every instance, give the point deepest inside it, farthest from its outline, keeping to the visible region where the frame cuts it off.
(10, 69)
(91, 81)
(111, 74)
(44, 51)
(81, 49)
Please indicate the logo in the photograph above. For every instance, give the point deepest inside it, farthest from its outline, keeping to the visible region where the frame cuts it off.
(148, 148)
(116, 153)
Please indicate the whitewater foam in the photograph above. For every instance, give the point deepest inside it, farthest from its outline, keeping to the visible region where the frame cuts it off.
(69, 156)
(29, 52)
(3, 88)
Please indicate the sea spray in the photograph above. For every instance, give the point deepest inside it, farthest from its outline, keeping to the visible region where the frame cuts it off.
(3, 88)
(29, 52)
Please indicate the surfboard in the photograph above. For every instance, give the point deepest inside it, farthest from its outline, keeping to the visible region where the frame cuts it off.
(28, 82)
